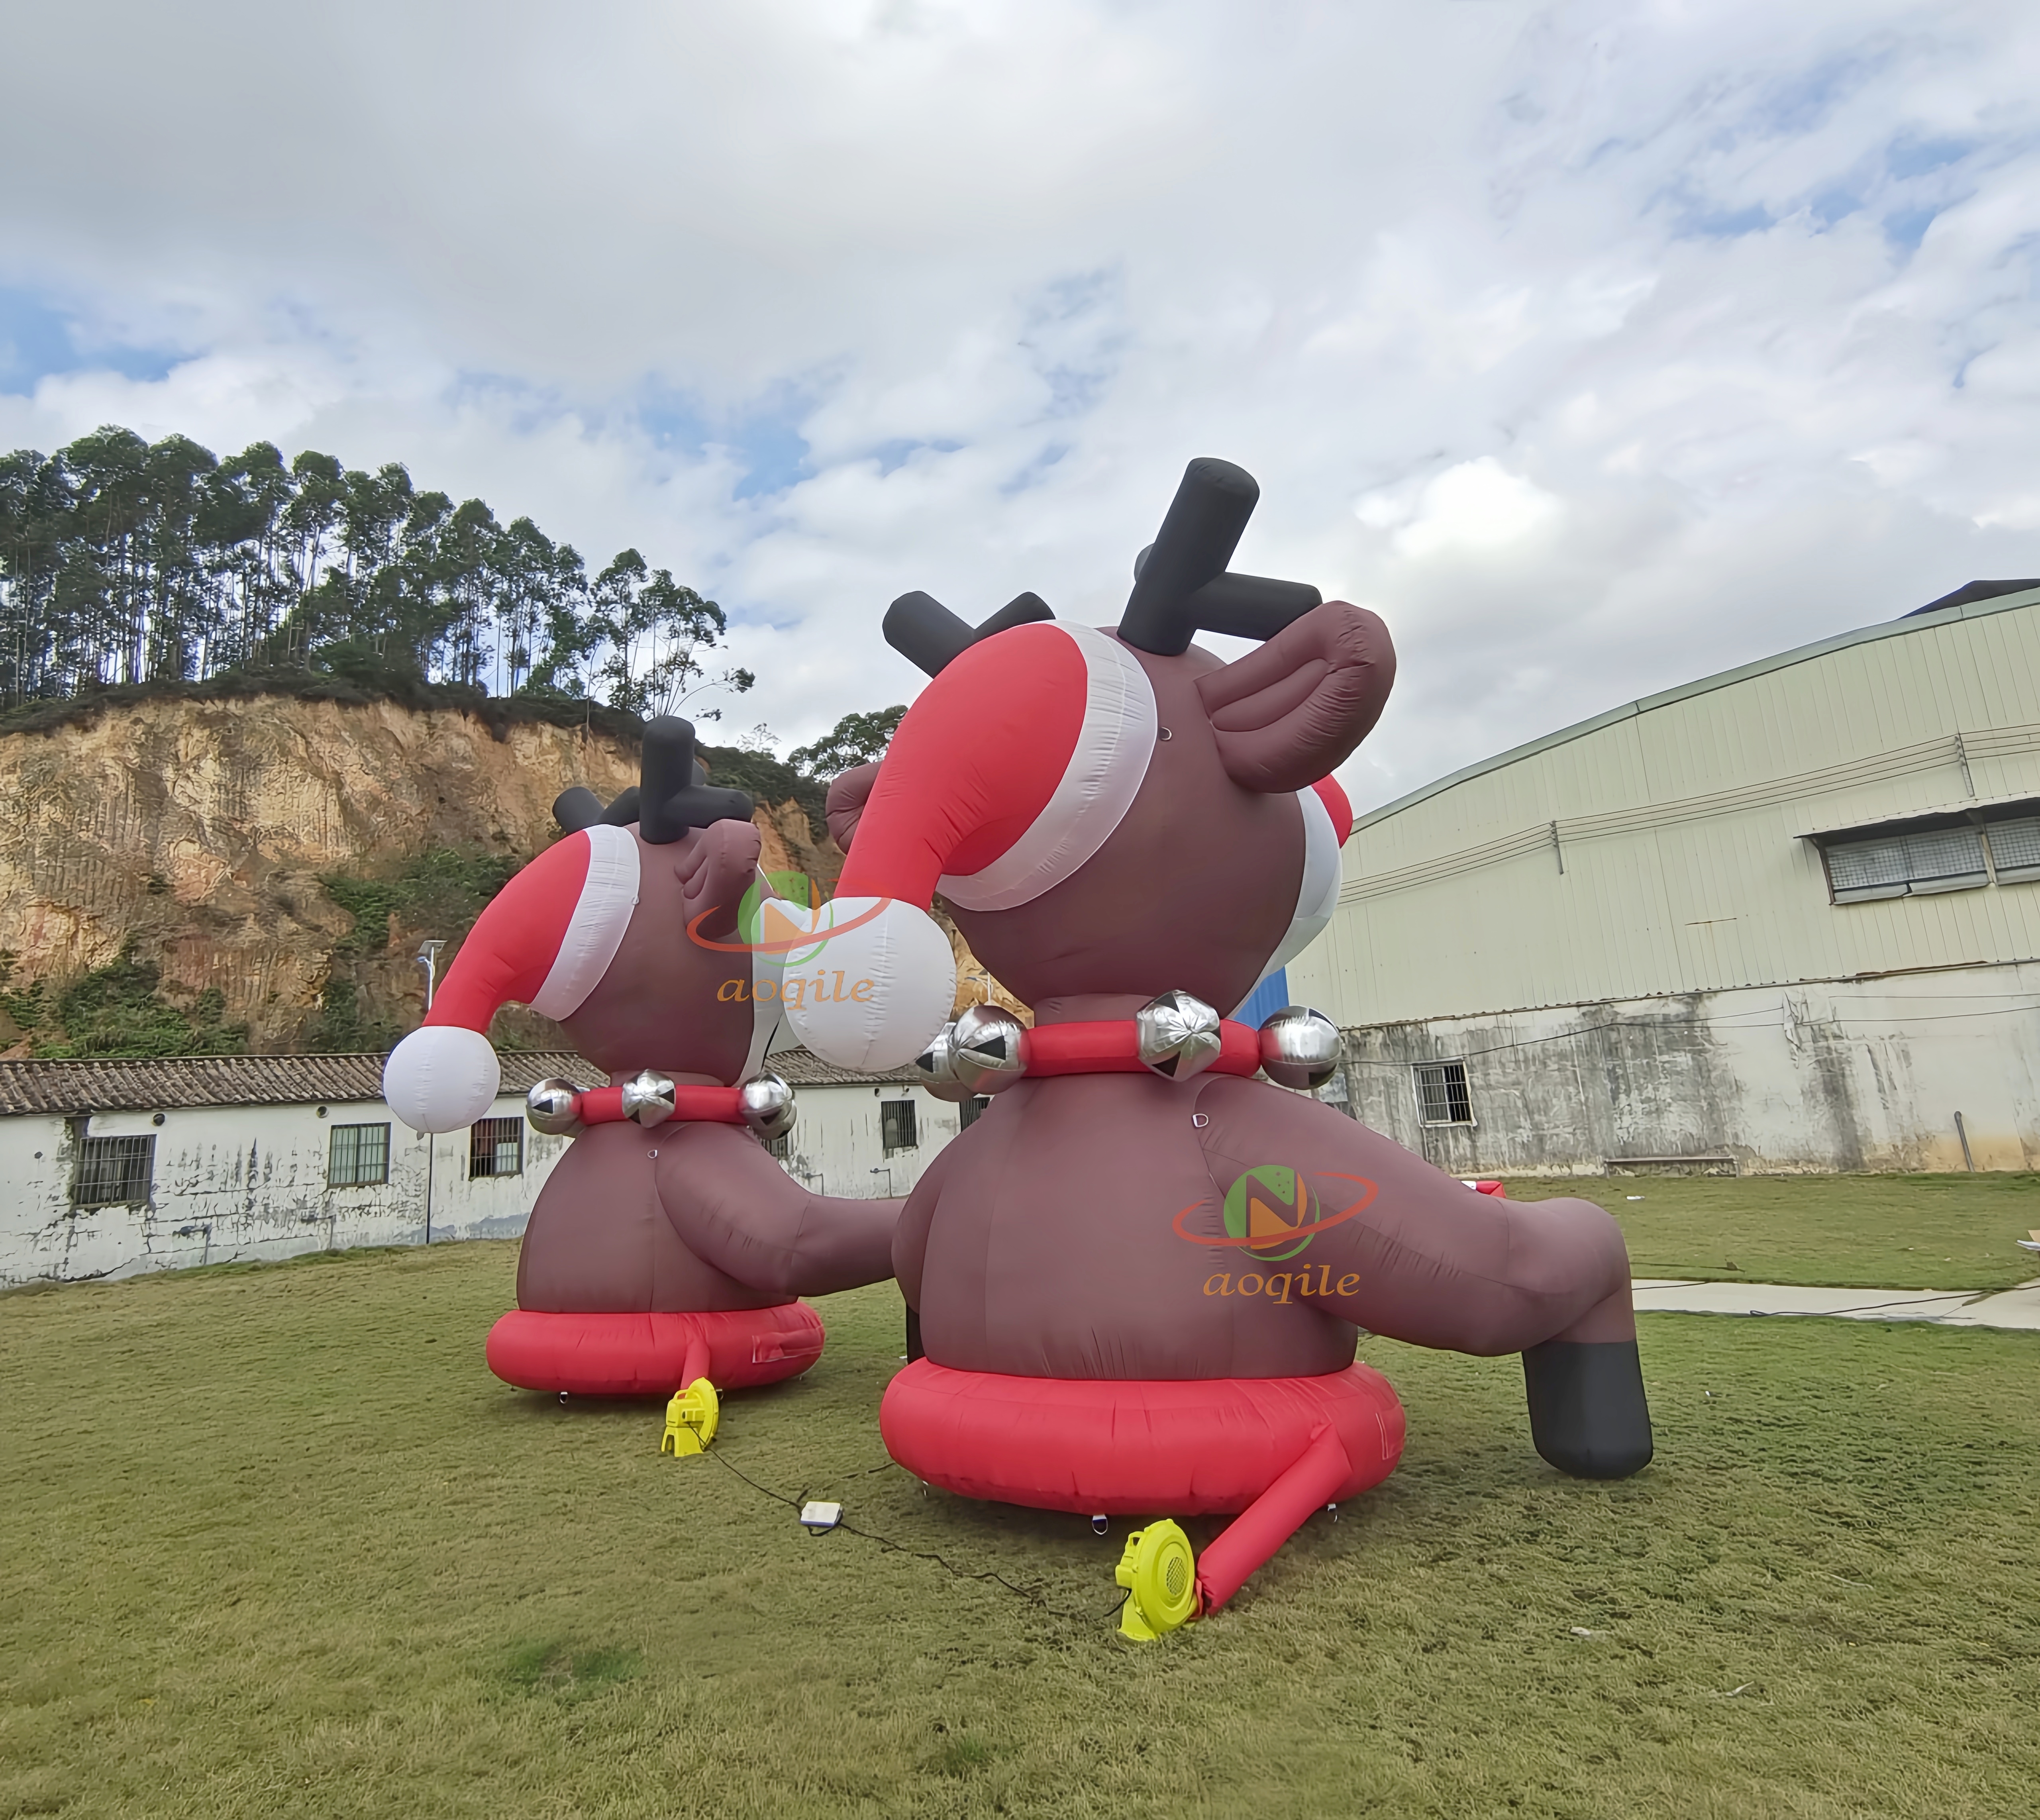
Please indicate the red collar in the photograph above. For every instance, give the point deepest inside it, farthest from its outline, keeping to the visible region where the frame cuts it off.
(1113, 1046)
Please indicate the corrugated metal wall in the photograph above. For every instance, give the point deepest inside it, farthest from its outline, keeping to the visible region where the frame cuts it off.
(1657, 851)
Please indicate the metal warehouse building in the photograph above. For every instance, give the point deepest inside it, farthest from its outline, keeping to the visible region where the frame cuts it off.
(1784, 918)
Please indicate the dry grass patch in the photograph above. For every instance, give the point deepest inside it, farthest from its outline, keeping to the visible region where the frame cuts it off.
(273, 1543)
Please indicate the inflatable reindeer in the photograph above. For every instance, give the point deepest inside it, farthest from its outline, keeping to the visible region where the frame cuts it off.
(667, 1247)
(1137, 1281)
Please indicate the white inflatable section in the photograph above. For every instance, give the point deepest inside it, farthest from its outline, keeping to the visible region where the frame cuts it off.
(1097, 786)
(608, 895)
(441, 1078)
(1318, 896)
(871, 997)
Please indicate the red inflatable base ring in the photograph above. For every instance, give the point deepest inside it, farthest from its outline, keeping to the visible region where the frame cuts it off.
(603, 1354)
(1130, 1446)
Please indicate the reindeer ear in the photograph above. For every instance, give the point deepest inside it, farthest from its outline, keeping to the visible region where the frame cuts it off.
(847, 795)
(1287, 714)
(716, 866)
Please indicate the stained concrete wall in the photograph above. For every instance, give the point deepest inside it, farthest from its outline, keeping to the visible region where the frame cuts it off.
(238, 1183)
(1845, 1075)
(838, 1146)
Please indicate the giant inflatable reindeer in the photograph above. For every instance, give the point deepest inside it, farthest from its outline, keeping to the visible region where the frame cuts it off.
(667, 1247)
(1138, 1279)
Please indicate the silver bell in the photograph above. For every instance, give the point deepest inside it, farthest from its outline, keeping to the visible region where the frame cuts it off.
(551, 1106)
(648, 1098)
(1179, 1035)
(766, 1103)
(1299, 1048)
(987, 1050)
(934, 1069)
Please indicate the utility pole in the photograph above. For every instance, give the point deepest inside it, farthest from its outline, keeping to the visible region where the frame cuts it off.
(428, 959)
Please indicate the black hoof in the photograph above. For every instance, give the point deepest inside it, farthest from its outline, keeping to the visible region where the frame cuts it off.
(1588, 1415)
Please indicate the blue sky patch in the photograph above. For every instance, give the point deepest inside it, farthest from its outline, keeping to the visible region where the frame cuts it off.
(39, 337)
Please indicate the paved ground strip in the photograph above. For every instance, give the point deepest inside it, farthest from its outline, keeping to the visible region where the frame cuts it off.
(2019, 1307)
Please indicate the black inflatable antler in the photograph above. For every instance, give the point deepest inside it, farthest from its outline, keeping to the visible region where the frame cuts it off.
(1181, 584)
(930, 637)
(672, 783)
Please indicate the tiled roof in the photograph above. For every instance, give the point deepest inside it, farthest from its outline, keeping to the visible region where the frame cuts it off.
(162, 1083)
(186, 1081)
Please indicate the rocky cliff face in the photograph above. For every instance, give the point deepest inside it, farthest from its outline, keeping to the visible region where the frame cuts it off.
(198, 834)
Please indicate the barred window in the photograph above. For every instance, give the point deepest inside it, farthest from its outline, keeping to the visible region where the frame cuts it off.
(113, 1171)
(496, 1147)
(1442, 1097)
(971, 1110)
(2015, 849)
(897, 1127)
(1907, 865)
(357, 1156)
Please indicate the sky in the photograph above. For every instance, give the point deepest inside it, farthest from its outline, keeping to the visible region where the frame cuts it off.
(1597, 346)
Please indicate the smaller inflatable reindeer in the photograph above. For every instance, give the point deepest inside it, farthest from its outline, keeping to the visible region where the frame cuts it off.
(667, 1246)
(1140, 1277)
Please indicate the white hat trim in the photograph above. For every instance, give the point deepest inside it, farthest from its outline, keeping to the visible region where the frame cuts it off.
(1318, 895)
(601, 914)
(1098, 785)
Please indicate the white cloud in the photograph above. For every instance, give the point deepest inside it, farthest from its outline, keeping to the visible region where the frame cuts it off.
(1597, 345)
(1478, 504)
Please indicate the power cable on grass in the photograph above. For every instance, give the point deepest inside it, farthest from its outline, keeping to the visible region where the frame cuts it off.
(886, 1542)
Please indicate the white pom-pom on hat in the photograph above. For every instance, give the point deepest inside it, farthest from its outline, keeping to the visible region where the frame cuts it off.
(878, 981)
(441, 1078)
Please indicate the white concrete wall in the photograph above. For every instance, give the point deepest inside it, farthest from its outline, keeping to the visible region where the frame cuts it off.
(1860, 1074)
(239, 1183)
(836, 1147)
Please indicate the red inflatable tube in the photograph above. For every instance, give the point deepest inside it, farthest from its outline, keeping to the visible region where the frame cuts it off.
(603, 1354)
(1135, 1447)
(701, 1104)
(1112, 1046)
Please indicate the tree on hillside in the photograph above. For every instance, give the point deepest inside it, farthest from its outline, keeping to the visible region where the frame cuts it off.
(124, 562)
(857, 739)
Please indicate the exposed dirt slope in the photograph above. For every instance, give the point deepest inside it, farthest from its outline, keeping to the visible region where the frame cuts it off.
(198, 832)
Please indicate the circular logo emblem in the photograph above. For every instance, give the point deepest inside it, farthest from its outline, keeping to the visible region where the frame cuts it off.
(1271, 1213)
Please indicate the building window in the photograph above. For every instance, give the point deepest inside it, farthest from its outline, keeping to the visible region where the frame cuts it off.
(2014, 849)
(496, 1147)
(1908, 865)
(113, 1171)
(896, 1126)
(357, 1155)
(971, 1110)
(1441, 1093)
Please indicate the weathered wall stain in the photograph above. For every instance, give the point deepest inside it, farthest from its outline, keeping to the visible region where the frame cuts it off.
(1843, 1076)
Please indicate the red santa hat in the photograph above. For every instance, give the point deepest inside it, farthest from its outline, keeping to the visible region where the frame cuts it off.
(545, 940)
(1011, 771)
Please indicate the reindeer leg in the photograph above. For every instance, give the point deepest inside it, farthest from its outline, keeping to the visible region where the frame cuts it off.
(1587, 1414)
(1433, 1263)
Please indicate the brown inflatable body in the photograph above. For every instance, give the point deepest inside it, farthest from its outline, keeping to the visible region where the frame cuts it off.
(681, 1219)
(1074, 1234)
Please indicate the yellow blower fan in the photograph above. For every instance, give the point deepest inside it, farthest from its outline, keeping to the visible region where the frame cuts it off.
(1160, 1572)
(691, 1419)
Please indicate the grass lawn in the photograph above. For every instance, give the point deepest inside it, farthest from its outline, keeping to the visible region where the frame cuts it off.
(272, 1542)
(1867, 1232)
